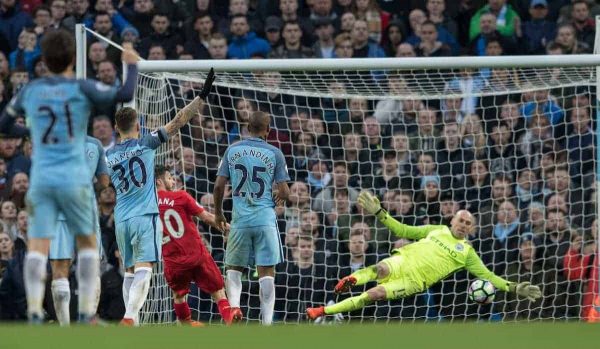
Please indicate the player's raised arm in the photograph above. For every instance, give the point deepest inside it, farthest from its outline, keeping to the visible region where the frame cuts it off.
(371, 204)
(524, 289)
(209, 219)
(189, 111)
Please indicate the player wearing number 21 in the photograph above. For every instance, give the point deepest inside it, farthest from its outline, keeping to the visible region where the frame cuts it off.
(131, 164)
(185, 257)
(439, 252)
(57, 109)
(253, 166)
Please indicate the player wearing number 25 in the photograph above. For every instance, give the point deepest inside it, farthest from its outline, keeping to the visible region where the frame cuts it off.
(131, 164)
(57, 109)
(253, 166)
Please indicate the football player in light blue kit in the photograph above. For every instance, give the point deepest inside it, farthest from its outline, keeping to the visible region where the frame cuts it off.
(57, 110)
(253, 166)
(62, 247)
(131, 167)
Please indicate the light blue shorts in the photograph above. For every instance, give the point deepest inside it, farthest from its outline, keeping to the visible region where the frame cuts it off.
(139, 240)
(259, 246)
(62, 245)
(75, 203)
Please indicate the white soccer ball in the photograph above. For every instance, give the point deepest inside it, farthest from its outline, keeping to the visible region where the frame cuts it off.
(482, 292)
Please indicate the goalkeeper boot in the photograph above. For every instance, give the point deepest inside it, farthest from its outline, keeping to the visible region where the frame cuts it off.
(345, 284)
(315, 313)
(236, 315)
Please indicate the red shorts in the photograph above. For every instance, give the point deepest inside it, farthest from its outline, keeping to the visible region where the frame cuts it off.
(205, 274)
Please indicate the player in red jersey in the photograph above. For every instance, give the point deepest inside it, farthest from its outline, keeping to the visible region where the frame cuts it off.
(186, 259)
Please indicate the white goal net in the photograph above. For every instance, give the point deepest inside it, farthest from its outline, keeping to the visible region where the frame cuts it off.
(515, 146)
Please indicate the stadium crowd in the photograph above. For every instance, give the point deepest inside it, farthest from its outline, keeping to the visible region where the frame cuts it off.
(523, 163)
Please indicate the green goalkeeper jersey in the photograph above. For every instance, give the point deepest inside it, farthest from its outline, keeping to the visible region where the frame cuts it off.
(437, 254)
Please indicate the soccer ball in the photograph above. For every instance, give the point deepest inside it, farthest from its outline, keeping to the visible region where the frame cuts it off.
(482, 292)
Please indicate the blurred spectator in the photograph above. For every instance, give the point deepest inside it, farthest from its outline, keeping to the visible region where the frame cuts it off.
(58, 13)
(539, 30)
(157, 53)
(318, 176)
(96, 54)
(389, 111)
(428, 200)
(102, 130)
(566, 10)
(393, 35)
(452, 158)
(102, 25)
(416, 19)
(502, 152)
(401, 148)
(478, 187)
(323, 9)
(244, 43)
(78, 14)
(536, 214)
(217, 47)
(199, 40)
(526, 268)
(507, 20)
(386, 177)
(18, 189)
(298, 201)
(8, 218)
(585, 25)
(106, 6)
(292, 45)
(12, 21)
(6, 252)
(240, 8)
(527, 188)
(161, 35)
(363, 48)
(430, 46)
(194, 174)
(273, 27)
(405, 50)
(111, 305)
(107, 74)
(451, 112)
(140, 17)
(130, 35)
(324, 200)
(377, 20)
(22, 224)
(289, 13)
(426, 136)
(27, 51)
(488, 31)
(436, 12)
(580, 143)
(41, 19)
(15, 161)
(546, 104)
(504, 241)
(347, 22)
(13, 304)
(324, 47)
(566, 39)
(343, 46)
(4, 70)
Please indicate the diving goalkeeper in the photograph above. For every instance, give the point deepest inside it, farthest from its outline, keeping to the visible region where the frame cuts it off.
(439, 252)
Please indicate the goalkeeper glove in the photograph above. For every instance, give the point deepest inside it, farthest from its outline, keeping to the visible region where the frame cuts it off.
(210, 78)
(526, 290)
(371, 204)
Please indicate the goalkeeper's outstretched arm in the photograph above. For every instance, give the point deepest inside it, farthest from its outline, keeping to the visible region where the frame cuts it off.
(189, 111)
(524, 289)
(371, 204)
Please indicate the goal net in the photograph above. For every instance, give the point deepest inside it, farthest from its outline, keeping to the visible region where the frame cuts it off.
(515, 146)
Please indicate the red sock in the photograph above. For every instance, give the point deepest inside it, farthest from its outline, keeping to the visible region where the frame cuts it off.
(224, 309)
(183, 312)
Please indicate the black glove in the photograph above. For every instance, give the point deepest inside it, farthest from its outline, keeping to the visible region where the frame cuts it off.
(210, 78)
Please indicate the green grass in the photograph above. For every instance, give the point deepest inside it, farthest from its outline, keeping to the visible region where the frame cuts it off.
(367, 336)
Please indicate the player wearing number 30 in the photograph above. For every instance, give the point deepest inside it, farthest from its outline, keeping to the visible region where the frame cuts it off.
(252, 166)
(186, 259)
(131, 164)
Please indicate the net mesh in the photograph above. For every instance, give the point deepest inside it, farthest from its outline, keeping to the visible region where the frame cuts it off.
(514, 146)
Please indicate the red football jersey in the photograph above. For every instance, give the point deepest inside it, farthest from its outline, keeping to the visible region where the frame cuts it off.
(181, 240)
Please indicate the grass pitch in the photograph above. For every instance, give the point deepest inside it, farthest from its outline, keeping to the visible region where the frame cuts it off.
(365, 336)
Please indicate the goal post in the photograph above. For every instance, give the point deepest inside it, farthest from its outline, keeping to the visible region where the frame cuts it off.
(505, 137)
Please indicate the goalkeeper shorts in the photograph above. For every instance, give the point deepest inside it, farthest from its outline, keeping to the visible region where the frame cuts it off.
(398, 283)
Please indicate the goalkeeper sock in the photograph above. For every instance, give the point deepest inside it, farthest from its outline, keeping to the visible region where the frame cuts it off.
(88, 269)
(349, 304)
(138, 292)
(234, 287)
(61, 296)
(34, 277)
(267, 298)
(97, 294)
(183, 312)
(127, 280)
(365, 275)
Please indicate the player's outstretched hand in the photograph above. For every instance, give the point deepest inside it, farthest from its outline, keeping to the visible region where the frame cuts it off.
(221, 223)
(278, 201)
(527, 290)
(129, 55)
(210, 78)
(369, 202)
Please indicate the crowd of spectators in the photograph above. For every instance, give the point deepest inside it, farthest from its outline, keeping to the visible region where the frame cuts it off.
(523, 163)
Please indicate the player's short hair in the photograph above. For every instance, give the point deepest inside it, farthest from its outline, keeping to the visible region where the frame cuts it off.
(57, 60)
(160, 170)
(126, 118)
(258, 121)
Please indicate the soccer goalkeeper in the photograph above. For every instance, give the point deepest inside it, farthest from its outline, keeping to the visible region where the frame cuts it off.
(440, 251)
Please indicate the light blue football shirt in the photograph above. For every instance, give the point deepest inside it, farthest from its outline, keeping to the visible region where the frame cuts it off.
(57, 110)
(252, 166)
(131, 165)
